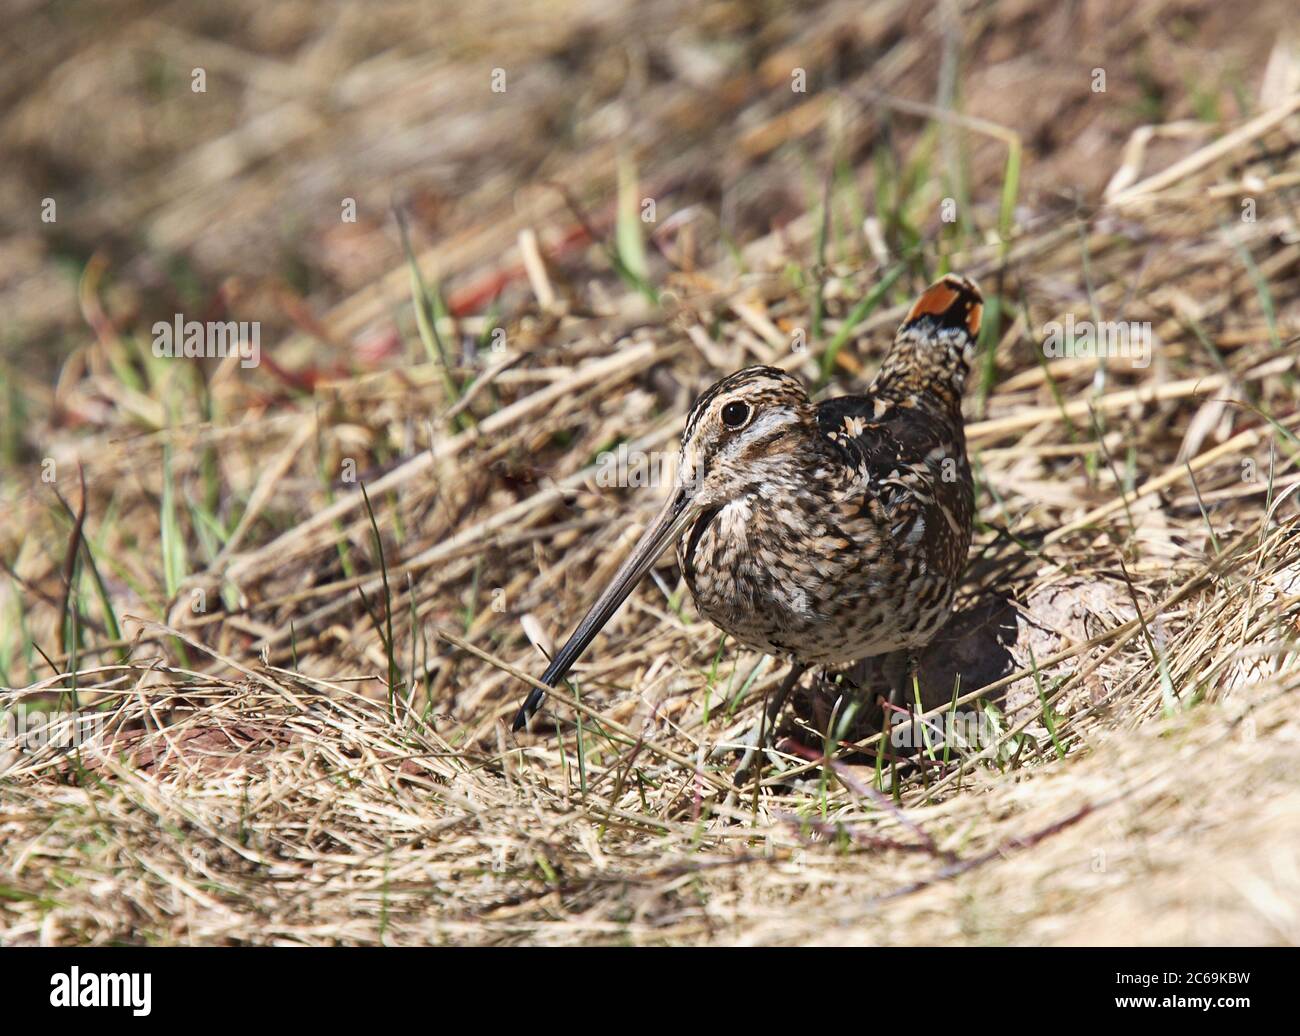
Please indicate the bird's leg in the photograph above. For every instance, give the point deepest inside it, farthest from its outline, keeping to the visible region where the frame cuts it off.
(902, 696)
(759, 737)
(911, 674)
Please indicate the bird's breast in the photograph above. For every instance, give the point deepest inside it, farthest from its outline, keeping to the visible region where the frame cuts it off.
(823, 578)
(761, 573)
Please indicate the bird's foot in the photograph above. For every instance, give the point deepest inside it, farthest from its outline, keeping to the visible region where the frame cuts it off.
(749, 748)
(760, 735)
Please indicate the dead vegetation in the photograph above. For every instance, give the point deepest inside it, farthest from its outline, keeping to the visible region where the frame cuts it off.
(302, 689)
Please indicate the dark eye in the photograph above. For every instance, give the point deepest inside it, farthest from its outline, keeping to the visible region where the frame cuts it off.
(735, 414)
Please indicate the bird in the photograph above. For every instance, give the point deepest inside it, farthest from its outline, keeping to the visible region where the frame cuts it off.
(820, 533)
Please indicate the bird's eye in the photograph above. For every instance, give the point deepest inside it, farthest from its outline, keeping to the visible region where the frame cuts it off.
(735, 414)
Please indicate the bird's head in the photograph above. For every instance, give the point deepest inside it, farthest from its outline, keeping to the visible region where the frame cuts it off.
(744, 433)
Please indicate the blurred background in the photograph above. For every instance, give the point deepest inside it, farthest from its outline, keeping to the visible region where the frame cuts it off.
(228, 201)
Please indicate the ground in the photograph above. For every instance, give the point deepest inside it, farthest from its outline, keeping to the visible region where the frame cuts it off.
(294, 692)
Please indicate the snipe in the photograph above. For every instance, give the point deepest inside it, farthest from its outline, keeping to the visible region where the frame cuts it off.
(826, 532)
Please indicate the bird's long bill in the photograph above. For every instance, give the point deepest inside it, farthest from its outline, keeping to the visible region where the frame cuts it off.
(667, 528)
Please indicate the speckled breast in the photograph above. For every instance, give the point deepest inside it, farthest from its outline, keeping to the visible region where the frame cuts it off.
(784, 580)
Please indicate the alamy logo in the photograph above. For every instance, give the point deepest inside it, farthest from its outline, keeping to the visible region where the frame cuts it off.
(93, 989)
(964, 730)
(635, 469)
(31, 730)
(210, 339)
(1107, 339)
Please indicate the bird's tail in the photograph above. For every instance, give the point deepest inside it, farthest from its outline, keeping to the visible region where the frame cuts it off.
(935, 344)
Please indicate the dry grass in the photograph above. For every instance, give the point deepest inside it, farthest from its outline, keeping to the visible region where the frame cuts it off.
(304, 736)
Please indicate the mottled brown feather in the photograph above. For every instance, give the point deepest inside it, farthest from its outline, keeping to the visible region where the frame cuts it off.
(847, 525)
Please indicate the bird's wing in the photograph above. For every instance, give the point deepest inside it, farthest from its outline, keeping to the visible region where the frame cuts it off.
(902, 459)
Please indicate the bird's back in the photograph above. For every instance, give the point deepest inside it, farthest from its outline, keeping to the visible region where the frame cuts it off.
(907, 501)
